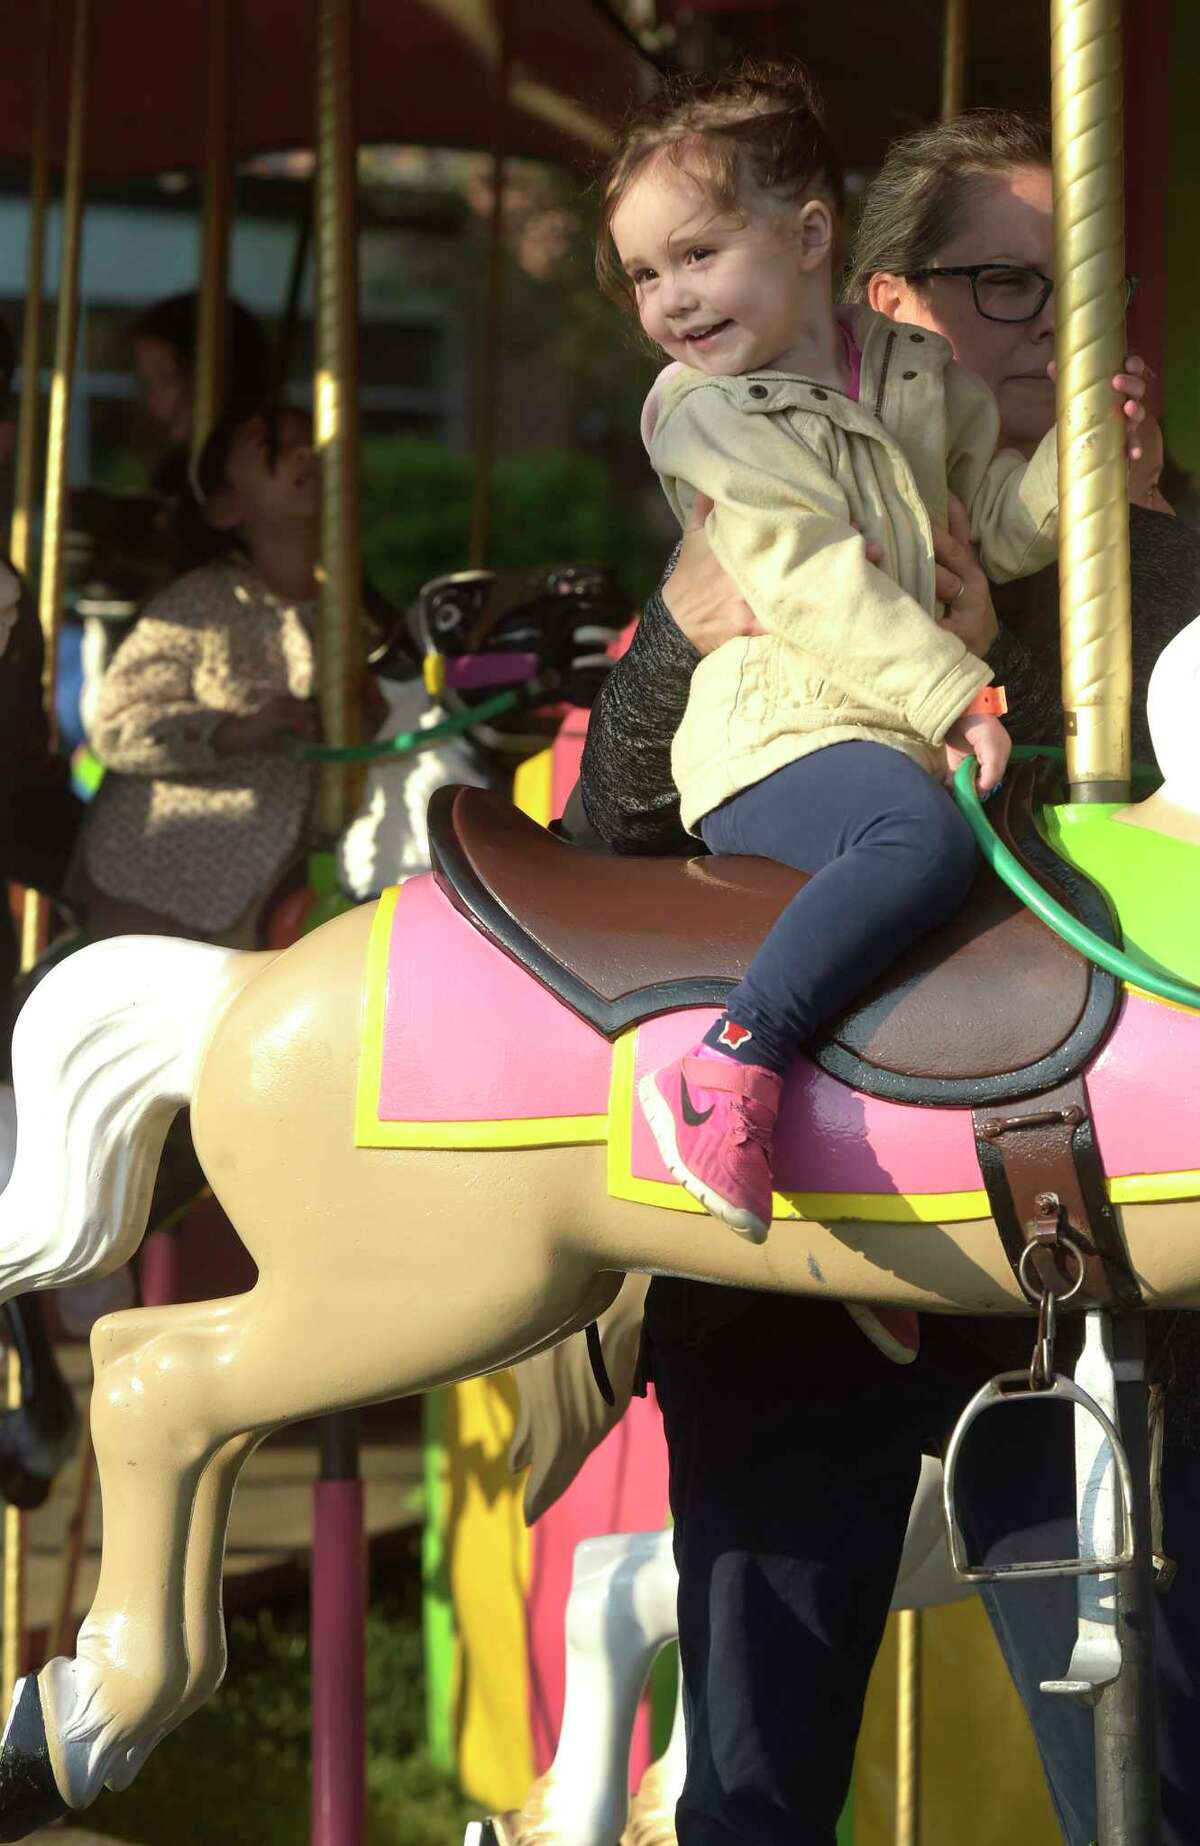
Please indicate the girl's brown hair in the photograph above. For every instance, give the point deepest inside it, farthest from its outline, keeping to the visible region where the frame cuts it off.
(923, 190)
(763, 120)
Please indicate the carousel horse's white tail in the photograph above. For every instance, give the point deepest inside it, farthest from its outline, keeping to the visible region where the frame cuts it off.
(106, 1051)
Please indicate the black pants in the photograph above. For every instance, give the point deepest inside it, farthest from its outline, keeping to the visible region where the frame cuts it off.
(794, 1454)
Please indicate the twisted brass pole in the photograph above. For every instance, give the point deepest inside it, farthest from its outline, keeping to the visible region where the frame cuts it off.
(336, 391)
(1090, 265)
(212, 308)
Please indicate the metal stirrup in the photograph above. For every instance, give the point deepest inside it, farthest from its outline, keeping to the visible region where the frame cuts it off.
(1012, 1388)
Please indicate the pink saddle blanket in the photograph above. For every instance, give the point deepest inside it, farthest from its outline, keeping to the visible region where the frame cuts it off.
(463, 1048)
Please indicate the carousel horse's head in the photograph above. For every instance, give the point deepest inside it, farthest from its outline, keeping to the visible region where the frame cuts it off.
(484, 631)
(1171, 704)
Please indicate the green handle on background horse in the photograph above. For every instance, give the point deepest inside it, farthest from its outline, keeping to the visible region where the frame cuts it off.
(1124, 965)
(406, 743)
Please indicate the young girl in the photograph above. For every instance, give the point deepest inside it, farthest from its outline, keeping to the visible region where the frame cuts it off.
(823, 439)
(200, 813)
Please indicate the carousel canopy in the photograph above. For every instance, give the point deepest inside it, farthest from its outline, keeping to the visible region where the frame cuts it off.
(427, 73)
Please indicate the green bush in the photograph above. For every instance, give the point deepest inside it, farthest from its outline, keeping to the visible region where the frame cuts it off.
(547, 508)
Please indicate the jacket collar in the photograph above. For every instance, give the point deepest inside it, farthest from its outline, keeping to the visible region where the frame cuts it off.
(894, 355)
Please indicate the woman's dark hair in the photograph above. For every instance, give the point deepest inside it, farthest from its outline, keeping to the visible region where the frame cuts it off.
(763, 120)
(196, 541)
(173, 321)
(918, 200)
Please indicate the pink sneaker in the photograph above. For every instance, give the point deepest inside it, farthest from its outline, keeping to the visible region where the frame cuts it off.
(895, 1331)
(714, 1120)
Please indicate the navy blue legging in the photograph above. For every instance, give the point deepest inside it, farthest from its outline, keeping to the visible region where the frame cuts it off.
(891, 857)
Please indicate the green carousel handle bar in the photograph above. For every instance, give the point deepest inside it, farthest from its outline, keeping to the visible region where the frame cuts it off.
(407, 743)
(1125, 966)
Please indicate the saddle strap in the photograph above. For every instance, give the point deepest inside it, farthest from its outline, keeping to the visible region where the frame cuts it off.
(1043, 1175)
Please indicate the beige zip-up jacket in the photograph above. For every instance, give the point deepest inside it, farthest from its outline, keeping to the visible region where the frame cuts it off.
(802, 477)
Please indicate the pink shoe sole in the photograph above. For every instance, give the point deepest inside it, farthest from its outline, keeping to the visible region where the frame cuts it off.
(657, 1112)
(900, 1350)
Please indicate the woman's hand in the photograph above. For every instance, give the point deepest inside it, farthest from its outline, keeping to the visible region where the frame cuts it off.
(260, 731)
(701, 599)
(1130, 387)
(961, 584)
(979, 735)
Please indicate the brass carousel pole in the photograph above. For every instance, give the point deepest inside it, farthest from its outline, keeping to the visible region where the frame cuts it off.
(50, 601)
(336, 392)
(1089, 237)
(954, 59)
(487, 370)
(910, 1638)
(339, 1579)
(212, 310)
(25, 488)
(1095, 616)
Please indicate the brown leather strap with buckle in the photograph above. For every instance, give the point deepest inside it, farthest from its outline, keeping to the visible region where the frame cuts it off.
(1045, 1182)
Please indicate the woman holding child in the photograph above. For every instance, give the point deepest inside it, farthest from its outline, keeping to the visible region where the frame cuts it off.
(795, 1446)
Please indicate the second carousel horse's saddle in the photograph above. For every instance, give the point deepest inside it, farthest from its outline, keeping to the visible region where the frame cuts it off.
(990, 1009)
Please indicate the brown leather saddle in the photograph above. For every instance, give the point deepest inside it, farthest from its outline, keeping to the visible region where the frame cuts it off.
(990, 1009)
(991, 1005)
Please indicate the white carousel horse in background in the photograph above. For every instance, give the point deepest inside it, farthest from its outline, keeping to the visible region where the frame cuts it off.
(621, 1614)
(399, 1267)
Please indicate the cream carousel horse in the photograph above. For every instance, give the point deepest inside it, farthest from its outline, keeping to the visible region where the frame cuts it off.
(420, 1120)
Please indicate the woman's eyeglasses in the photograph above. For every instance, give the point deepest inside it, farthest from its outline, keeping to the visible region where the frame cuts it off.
(1006, 291)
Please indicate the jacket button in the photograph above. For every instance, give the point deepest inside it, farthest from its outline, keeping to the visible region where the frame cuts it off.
(822, 395)
(910, 374)
(758, 390)
(918, 339)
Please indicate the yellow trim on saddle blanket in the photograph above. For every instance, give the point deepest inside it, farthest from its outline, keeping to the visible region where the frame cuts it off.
(370, 1131)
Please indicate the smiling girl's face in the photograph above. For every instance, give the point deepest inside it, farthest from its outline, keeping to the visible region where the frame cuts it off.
(726, 293)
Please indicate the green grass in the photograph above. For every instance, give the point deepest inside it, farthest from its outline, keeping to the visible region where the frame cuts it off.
(237, 1773)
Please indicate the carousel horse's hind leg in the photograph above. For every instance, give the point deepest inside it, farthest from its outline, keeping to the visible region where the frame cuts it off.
(37, 1439)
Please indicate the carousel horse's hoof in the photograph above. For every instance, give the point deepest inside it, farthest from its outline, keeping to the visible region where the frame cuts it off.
(652, 1814)
(36, 1441)
(497, 1830)
(29, 1796)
